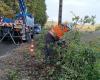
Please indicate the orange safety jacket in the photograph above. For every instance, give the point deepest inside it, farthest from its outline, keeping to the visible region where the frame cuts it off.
(59, 30)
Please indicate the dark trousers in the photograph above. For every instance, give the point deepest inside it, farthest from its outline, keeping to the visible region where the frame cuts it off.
(49, 44)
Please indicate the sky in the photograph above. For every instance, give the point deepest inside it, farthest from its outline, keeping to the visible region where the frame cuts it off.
(79, 7)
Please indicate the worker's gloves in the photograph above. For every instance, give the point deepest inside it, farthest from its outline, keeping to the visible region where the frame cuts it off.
(62, 43)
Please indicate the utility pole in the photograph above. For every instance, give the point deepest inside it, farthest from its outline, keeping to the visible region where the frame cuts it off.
(60, 12)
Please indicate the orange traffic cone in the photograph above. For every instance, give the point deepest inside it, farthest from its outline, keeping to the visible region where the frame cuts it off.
(31, 49)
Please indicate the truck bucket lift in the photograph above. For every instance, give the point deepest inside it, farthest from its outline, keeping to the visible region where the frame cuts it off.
(25, 28)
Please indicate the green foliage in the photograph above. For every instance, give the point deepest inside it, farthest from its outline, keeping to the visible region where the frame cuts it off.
(74, 62)
(86, 19)
(40, 44)
(73, 36)
(13, 75)
(5, 10)
(38, 8)
(96, 45)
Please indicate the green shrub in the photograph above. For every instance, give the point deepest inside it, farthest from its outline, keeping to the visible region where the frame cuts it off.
(40, 44)
(13, 75)
(74, 62)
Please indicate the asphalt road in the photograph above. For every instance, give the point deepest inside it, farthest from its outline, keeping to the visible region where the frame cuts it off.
(6, 47)
(90, 36)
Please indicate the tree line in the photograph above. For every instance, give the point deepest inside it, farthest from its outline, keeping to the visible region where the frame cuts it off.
(37, 8)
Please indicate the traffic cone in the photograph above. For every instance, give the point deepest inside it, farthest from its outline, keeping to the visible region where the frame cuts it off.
(31, 49)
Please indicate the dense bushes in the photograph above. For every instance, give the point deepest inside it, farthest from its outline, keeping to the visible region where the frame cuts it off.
(74, 62)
